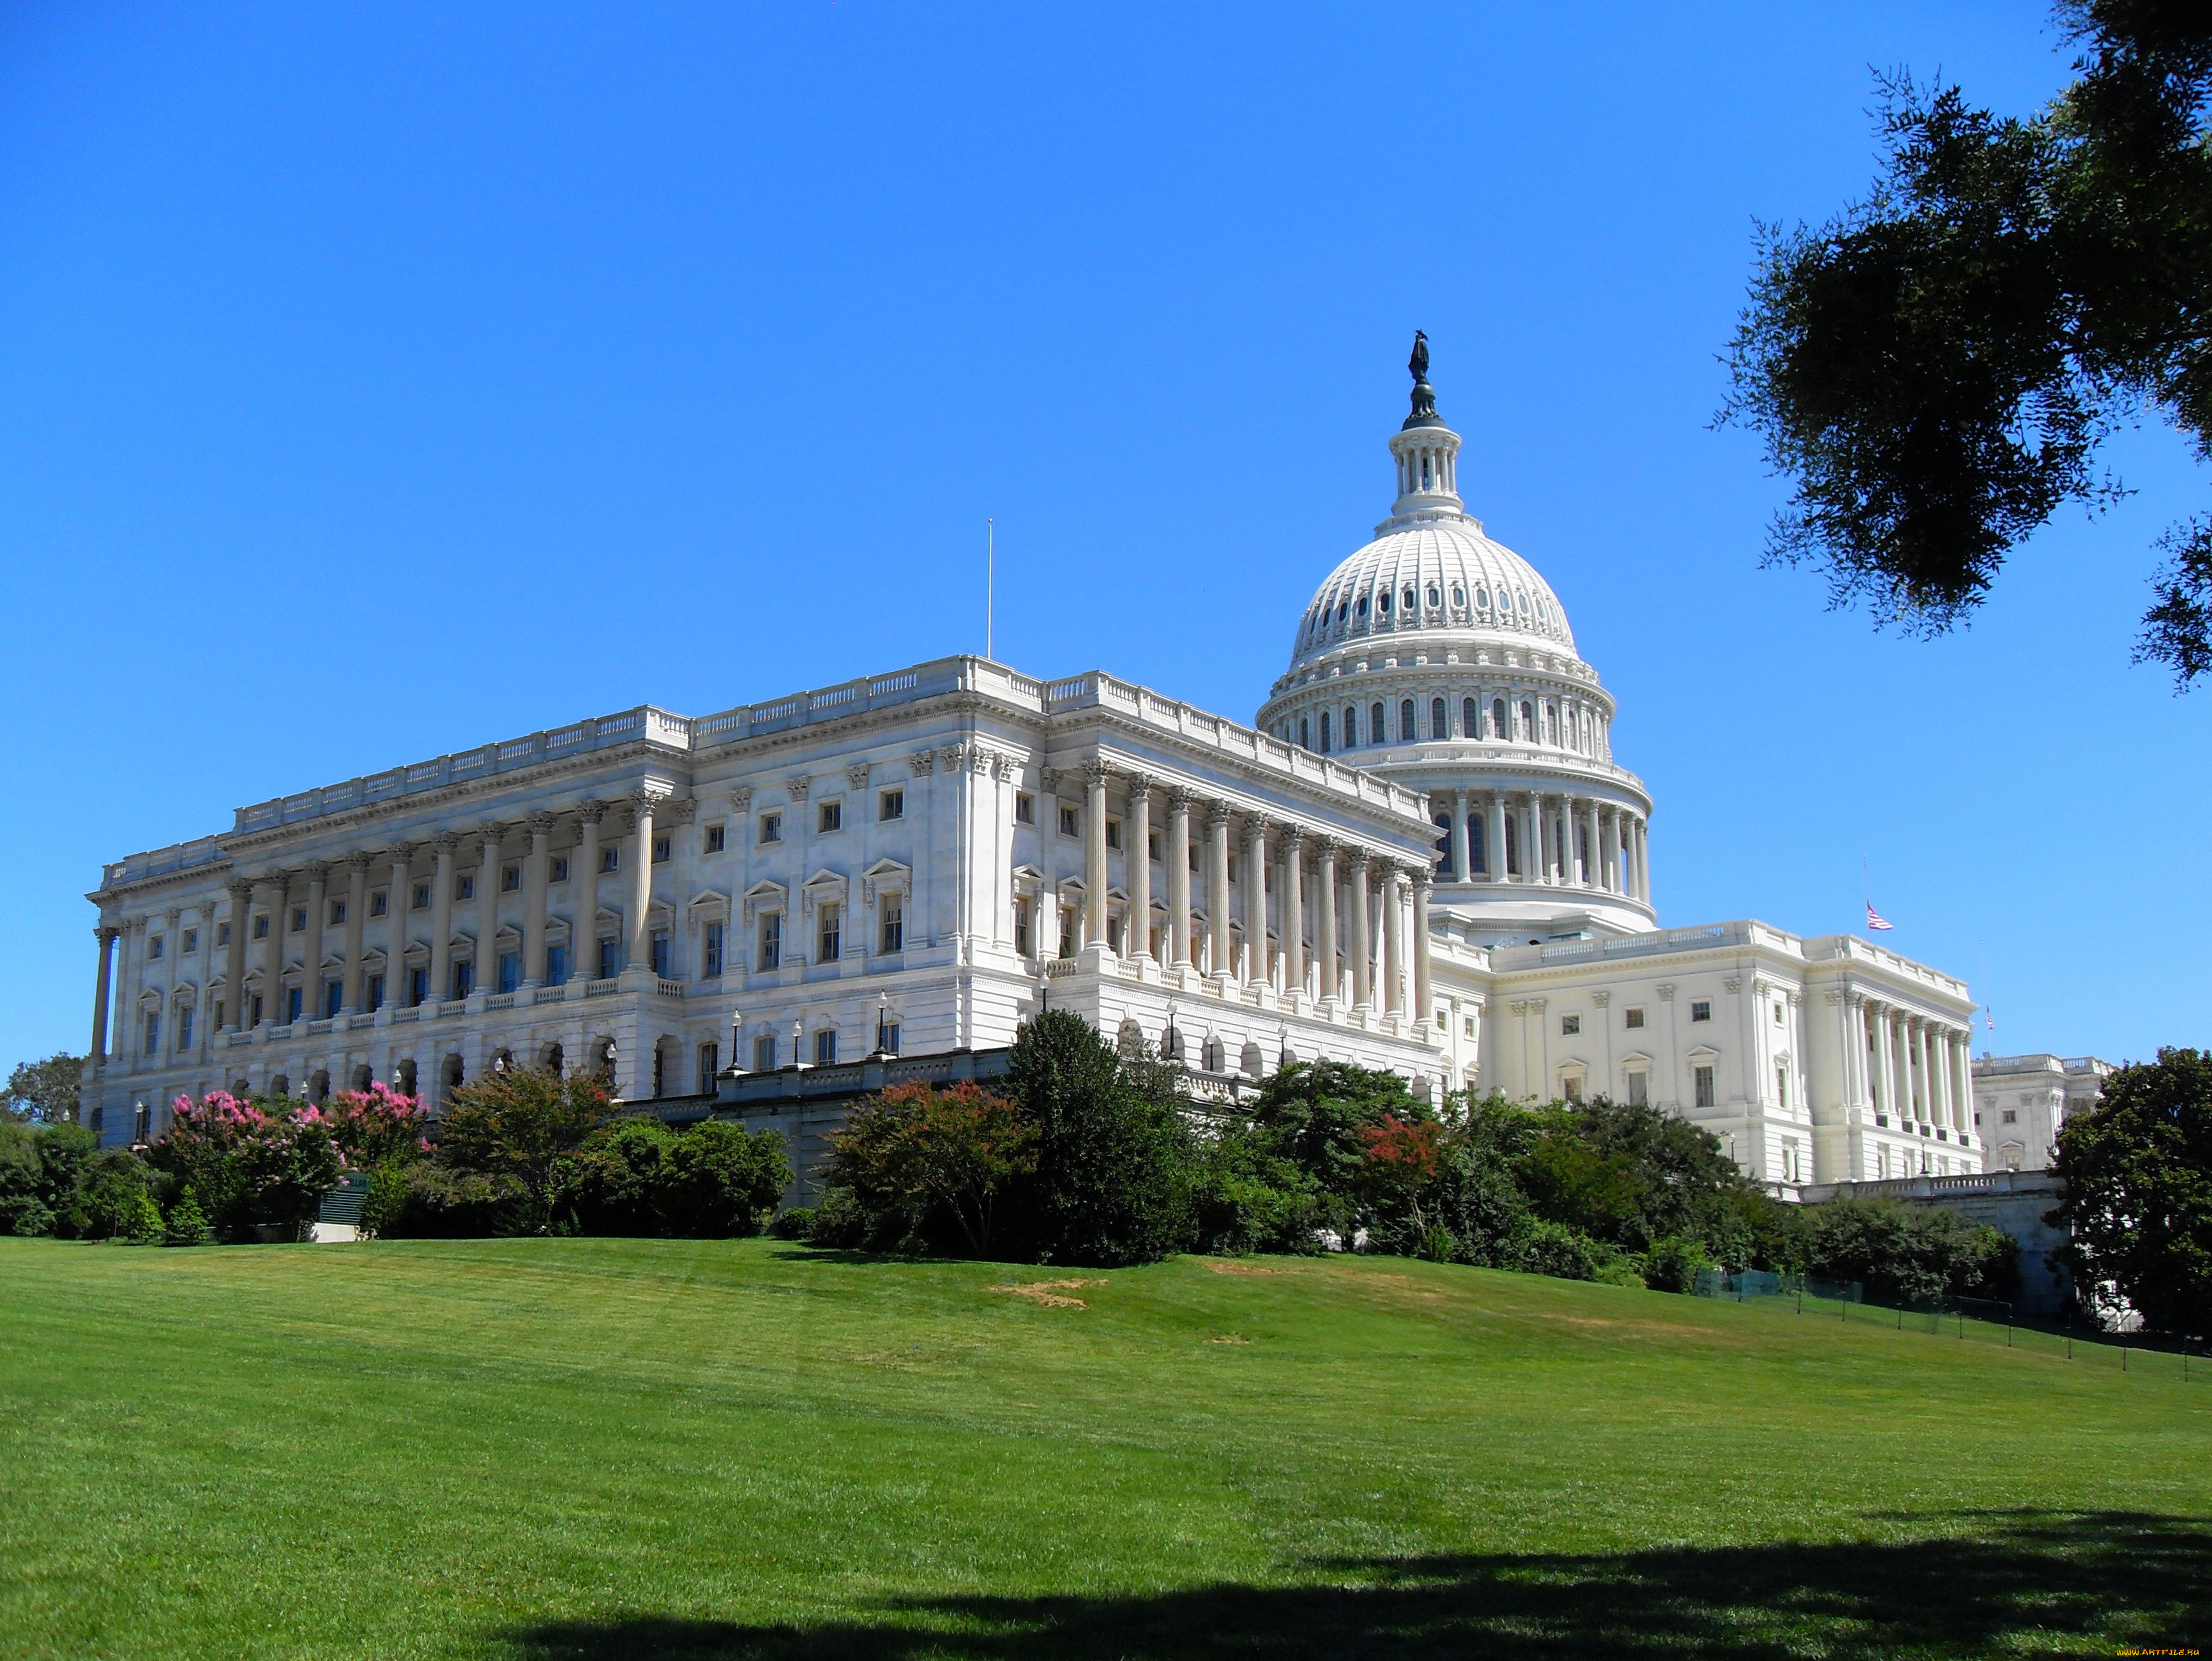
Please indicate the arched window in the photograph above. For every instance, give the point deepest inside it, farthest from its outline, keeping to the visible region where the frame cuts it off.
(1378, 727)
(1459, 595)
(1383, 602)
(1478, 854)
(1407, 597)
(1443, 822)
(1552, 725)
(1305, 732)
(1407, 732)
(1350, 727)
(1470, 719)
(1436, 597)
(1324, 731)
(1344, 610)
(1482, 599)
(1529, 720)
(1363, 606)
(1439, 724)
(1497, 729)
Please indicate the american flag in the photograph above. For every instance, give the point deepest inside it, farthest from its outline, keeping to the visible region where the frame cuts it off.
(1875, 920)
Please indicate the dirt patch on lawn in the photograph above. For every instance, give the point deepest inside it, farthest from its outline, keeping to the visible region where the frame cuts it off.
(1241, 1269)
(1230, 1338)
(1049, 1292)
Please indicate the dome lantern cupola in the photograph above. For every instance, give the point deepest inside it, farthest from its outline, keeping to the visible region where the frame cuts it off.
(1426, 450)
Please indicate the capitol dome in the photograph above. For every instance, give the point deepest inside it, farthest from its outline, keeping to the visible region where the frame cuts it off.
(1444, 661)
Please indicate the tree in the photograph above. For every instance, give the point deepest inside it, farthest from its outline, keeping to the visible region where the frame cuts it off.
(519, 1124)
(1108, 1187)
(2138, 1175)
(1935, 367)
(45, 1090)
(249, 1164)
(915, 1148)
(638, 1176)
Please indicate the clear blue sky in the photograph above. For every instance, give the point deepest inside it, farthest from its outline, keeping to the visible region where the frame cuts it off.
(378, 381)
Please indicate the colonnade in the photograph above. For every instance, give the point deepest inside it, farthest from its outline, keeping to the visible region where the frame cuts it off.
(1379, 962)
(1909, 1068)
(1556, 840)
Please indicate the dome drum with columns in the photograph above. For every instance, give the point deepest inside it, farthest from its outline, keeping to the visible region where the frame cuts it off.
(1442, 659)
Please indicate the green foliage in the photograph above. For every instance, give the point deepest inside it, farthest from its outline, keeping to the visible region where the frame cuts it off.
(426, 1201)
(141, 1221)
(919, 1153)
(1315, 1114)
(638, 1176)
(1243, 1197)
(1108, 1187)
(187, 1224)
(41, 1178)
(1672, 1263)
(1544, 1247)
(2138, 1174)
(1907, 1254)
(793, 1223)
(114, 1180)
(1935, 367)
(519, 1125)
(45, 1092)
(252, 1164)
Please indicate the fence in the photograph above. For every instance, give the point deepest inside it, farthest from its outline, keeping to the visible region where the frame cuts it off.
(1968, 1320)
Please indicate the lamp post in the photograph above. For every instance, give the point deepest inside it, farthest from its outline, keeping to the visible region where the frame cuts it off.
(883, 1014)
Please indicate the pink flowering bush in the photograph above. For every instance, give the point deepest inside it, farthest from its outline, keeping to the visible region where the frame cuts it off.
(377, 1126)
(250, 1164)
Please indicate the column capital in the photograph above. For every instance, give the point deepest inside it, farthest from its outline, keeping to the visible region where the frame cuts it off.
(1256, 826)
(318, 872)
(922, 761)
(104, 931)
(798, 784)
(1425, 882)
(1325, 847)
(677, 810)
(856, 776)
(448, 843)
(1140, 788)
(1356, 858)
(1179, 799)
(492, 832)
(541, 825)
(400, 852)
(1666, 992)
(1218, 815)
(1294, 839)
(741, 798)
(241, 890)
(279, 881)
(591, 810)
(360, 861)
(1096, 772)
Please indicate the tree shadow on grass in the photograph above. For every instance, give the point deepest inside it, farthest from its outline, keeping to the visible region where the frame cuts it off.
(2021, 1582)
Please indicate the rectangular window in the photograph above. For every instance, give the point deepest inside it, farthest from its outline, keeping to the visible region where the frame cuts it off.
(765, 1053)
(510, 970)
(557, 965)
(891, 804)
(337, 914)
(1777, 1014)
(1572, 1088)
(333, 998)
(660, 952)
(1151, 845)
(155, 944)
(1022, 927)
(256, 1020)
(771, 827)
(380, 903)
(888, 1038)
(611, 859)
(261, 928)
(418, 986)
(1068, 821)
(223, 934)
(771, 941)
(711, 962)
(831, 817)
(1570, 1025)
(1024, 808)
(710, 1063)
(464, 888)
(890, 910)
(717, 838)
(374, 998)
(1701, 1080)
(153, 1032)
(557, 869)
(422, 897)
(1470, 1026)
(185, 1029)
(660, 850)
(1639, 1090)
(610, 959)
(831, 941)
(510, 880)
(2011, 1116)
(192, 943)
(825, 1047)
(1782, 1085)
(1701, 1011)
(299, 920)
(292, 998)
(1635, 1016)
(1112, 833)
(465, 979)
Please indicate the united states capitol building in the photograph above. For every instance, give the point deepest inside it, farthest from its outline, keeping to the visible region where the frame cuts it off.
(1422, 855)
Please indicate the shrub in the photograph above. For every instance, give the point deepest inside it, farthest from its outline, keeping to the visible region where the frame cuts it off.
(251, 1165)
(187, 1225)
(114, 1181)
(637, 1177)
(1907, 1254)
(840, 1221)
(141, 1221)
(1242, 1197)
(917, 1153)
(793, 1223)
(1549, 1247)
(1672, 1263)
(519, 1125)
(434, 1202)
(1110, 1162)
(377, 1126)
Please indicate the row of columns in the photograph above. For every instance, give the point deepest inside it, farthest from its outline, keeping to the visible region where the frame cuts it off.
(270, 896)
(1913, 1069)
(1363, 878)
(1563, 840)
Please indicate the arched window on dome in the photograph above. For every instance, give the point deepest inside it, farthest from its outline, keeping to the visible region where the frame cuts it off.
(1351, 727)
(1443, 823)
(1529, 720)
(1497, 729)
(1482, 599)
(1378, 729)
(1459, 596)
(1470, 719)
(1324, 731)
(1305, 734)
(1383, 602)
(1363, 606)
(1407, 732)
(1478, 854)
(1439, 722)
(1436, 597)
(1343, 610)
(1406, 599)
(1552, 725)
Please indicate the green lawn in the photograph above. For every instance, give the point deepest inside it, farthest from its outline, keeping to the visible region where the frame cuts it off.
(597, 1448)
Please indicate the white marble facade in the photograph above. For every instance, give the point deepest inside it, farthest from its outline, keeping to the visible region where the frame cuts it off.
(1454, 880)
(2022, 1102)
